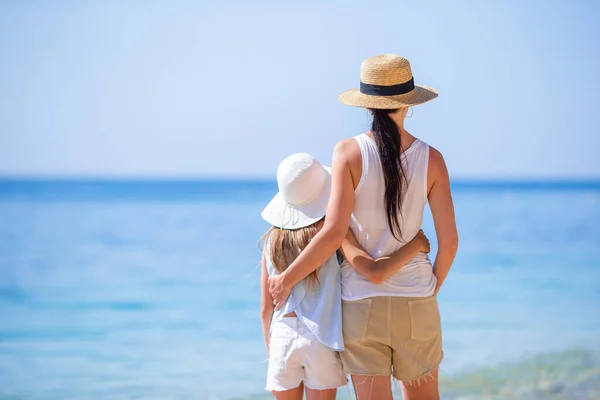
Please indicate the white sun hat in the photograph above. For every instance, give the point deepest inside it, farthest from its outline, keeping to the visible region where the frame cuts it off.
(304, 188)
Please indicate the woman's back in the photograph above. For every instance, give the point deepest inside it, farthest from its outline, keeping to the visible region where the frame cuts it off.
(370, 226)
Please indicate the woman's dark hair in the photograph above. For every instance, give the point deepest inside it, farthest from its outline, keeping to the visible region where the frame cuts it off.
(386, 134)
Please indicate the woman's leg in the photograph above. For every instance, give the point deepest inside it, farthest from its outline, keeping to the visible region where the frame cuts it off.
(372, 387)
(426, 388)
(292, 394)
(368, 358)
(417, 351)
(312, 394)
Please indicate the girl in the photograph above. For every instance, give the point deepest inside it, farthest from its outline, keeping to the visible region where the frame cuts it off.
(381, 182)
(304, 335)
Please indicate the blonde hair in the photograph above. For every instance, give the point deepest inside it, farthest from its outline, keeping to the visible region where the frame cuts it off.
(283, 246)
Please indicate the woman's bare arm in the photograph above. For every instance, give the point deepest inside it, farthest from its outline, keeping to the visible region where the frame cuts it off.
(331, 236)
(381, 269)
(442, 209)
(266, 303)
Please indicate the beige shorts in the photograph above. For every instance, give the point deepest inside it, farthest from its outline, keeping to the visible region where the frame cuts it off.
(399, 336)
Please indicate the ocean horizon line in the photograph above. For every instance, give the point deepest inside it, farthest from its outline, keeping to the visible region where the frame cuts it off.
(462, 181)
(103, 189)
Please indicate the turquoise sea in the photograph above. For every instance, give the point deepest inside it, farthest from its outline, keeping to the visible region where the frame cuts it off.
(149, 290)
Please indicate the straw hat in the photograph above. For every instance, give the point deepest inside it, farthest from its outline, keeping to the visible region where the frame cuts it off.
(386, 82)
(304, 187)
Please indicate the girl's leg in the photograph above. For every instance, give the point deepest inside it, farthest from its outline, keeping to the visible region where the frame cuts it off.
(292, 394)
(372, 387)
(312, 394)
(424, 389)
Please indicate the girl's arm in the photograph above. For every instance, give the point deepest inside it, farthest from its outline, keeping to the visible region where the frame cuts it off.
(266, 303)
(381, 269)
(331, 236)
(442, 209)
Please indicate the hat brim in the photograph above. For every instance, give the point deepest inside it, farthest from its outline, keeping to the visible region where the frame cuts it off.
(419, 95)
(283, 215)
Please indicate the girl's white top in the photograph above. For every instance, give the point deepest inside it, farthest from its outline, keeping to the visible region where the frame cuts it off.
(317, 305)
(369, 224)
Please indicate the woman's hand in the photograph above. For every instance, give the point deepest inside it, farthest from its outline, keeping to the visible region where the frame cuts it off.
(423, 242)
(279, 290)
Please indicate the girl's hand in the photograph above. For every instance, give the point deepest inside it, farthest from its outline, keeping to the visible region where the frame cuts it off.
(423, 242)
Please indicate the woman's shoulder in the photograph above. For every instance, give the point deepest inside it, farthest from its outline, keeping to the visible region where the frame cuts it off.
(436, 168)
(347, 149)
(436, 159)
(347, 154)
(346, 145)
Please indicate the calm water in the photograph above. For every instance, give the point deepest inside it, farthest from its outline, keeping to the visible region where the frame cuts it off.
(149, 290)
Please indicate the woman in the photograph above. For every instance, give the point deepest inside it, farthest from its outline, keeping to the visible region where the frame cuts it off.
(381, 181)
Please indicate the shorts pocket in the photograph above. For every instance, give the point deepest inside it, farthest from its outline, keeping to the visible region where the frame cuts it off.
(425, 323)
(355, 320)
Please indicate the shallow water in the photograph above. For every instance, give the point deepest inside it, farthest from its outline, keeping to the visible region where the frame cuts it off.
(150, 291)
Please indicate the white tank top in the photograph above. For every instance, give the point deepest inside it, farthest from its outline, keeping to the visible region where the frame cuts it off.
(369, 224)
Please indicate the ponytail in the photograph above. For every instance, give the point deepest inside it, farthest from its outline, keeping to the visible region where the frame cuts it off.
(386, 134)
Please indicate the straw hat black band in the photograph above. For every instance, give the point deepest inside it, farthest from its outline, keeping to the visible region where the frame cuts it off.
(394, 90)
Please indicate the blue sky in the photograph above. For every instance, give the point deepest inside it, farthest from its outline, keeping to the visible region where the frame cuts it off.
(228, 89)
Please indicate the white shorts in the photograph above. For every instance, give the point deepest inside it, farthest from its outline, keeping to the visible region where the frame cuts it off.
(297, 356)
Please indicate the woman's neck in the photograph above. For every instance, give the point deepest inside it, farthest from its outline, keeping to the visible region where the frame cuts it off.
(399, 120)
(405, 138)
